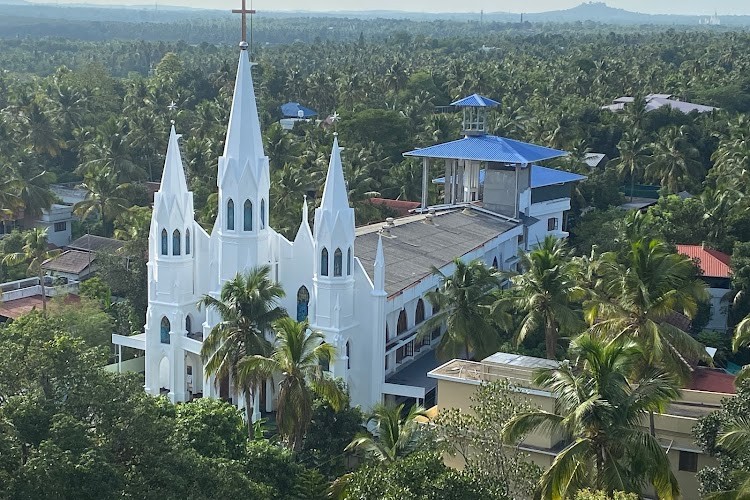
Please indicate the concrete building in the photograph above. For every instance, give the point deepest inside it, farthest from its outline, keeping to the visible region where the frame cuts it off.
(716, 273)
(363, 288)
(457, 381)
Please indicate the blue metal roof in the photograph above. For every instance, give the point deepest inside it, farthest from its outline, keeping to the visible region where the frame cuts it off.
(475, 101)
(488, 148)
(292, 110)
(540, 177)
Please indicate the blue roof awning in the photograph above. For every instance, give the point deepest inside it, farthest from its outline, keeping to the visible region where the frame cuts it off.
(475, 101)
(540, 177)
(292, 110)
(488, 148)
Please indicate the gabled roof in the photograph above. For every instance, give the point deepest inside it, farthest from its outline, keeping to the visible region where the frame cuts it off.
(488, 148)
(91, 243)
(70, 261)
(540, 177)
(292, 110)
(414, 244)
(475, 101)
(713, 264)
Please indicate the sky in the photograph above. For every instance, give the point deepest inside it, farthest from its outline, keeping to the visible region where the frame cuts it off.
(702, 7)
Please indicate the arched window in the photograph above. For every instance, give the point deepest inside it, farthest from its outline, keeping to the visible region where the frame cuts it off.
(324, 262)
(165, 328)
(164, 242)
(349, 262)
(230, 215)
(176, 238)
(262, 214)
(303, 303)
(348, 355)
(436, 307)
(387, 333)
(247, 220)
(419, 315)
(494, 262)
(189, 324)
(337, 264)
(187, 242)
(402, 325)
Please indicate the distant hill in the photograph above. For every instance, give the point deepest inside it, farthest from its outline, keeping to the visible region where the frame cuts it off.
(597, 12)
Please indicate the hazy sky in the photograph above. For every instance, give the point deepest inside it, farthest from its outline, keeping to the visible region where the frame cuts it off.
(650, 6)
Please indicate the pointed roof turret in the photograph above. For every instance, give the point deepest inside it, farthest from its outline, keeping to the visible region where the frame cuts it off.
(335, 195)
(173, 178)
(244, 141)
(379, 276)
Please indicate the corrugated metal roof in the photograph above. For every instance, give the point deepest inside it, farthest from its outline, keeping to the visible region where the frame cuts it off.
(292, 110)
(540, 177)
(475, 101)
(70, 261)
(488, 148)
(415, 246)
(713, 264)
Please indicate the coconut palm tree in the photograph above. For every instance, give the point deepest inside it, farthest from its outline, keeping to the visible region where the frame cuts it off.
(247, 306)
(640, 293)
(36, 252)
(675, 162)
(105, 197)
(463, 303)
(545, 292)
(742, 339)
(297, 355)
(599, 412)
(735, 441)
(394, 437)
(633, 157)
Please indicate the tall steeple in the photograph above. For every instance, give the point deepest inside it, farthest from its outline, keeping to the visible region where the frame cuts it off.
(173, 178)
(244, 141)
(333, 242)
(242, 228)
(335, 195)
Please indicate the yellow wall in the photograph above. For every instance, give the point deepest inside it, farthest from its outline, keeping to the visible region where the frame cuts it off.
(670, 429)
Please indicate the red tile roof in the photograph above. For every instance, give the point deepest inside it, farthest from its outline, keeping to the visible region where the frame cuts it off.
(14, 309)
(402, 207)
(712, 380)
(713, 263)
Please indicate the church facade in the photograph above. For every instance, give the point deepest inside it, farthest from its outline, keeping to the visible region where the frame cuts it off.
(363, 287)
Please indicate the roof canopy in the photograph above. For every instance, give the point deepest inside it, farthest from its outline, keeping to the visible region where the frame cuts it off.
(488, 148)
(293, 109)
(540, 177)
(475, 101)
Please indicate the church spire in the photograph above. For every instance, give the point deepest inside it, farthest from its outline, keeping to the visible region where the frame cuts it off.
(173, 178)
(335, 196)
(379, 281)
(243, 140)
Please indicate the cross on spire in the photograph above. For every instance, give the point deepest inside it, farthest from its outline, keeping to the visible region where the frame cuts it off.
(244, 11)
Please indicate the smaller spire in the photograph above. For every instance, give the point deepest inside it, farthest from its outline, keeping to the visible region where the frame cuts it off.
(379, 277)
(173, 178)
(335, 195)
(305, 216)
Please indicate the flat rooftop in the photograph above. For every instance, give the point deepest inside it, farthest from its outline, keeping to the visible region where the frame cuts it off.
(415, 245)
(14, 309)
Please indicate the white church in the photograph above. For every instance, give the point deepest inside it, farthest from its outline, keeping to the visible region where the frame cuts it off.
(363, 287)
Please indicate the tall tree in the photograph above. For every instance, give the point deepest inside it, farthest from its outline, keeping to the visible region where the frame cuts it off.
(639, 294)
(600, 411)
(395, 436)
(247, 307)
(633, 157)
(545, 292)
(297, 355)
(463, 304)
(105, 197)
(35, 252)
